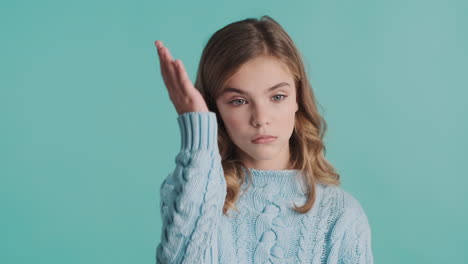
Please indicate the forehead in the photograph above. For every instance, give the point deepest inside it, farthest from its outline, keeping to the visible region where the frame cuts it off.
(264, 74)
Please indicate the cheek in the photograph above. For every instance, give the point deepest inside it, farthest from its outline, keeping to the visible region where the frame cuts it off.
(233, 123)
(287, 111)
(288, 116)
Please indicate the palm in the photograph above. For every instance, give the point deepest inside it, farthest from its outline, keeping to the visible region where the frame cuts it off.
(182, 92)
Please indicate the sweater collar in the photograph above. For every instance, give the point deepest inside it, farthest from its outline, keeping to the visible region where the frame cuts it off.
(280, 178)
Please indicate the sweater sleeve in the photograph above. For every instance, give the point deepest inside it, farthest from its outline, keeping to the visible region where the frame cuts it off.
(193, 195)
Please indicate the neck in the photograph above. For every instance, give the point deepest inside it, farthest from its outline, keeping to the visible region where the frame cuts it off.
(281, 162)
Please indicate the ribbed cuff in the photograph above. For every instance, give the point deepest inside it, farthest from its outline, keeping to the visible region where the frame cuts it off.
(198, 130)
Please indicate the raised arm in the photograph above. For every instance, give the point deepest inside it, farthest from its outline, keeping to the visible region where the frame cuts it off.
(192, 196)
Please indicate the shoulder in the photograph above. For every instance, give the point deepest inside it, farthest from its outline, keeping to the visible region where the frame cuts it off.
(346, 212)
(341, 200)
(348, 227)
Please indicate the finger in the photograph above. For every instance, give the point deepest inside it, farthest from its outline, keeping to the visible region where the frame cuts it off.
(183, 78)
(167, 69)
(168, 54)
(171, 73)
(158, 43)
(158, 48)
(163, 65)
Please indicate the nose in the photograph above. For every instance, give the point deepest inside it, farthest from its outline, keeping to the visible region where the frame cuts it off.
(259, 116)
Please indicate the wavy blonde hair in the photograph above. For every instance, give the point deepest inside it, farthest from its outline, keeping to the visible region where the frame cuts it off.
(227, 50)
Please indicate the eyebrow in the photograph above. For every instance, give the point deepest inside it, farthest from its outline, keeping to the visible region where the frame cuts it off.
(235, 90)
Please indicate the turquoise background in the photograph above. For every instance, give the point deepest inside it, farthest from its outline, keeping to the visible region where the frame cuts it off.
(88, 133)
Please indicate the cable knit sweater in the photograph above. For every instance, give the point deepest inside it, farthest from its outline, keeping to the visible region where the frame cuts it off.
(266, 229)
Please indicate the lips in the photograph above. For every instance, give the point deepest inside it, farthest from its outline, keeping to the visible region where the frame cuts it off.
(264, 139)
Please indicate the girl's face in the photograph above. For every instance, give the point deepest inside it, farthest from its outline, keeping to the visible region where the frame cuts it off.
(260, 99)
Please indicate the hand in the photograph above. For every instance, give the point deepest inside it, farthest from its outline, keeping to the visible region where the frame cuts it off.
(184, 96)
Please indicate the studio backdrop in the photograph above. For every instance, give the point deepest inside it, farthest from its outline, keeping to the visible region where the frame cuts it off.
(88, 132)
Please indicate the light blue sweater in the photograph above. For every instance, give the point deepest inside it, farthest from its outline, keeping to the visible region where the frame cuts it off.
(267, 230)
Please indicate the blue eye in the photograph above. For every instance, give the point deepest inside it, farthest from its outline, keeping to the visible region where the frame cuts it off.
(236, 101)
(283, 96)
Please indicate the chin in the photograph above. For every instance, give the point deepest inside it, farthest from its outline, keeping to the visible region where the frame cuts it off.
(263, 154)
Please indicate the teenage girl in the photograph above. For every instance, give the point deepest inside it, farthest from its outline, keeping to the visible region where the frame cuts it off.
(251, 183)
